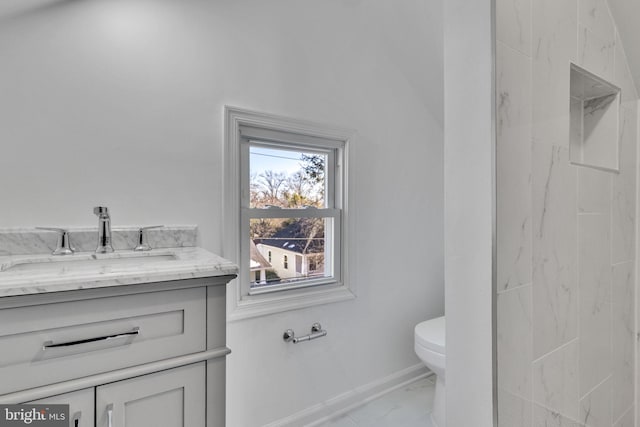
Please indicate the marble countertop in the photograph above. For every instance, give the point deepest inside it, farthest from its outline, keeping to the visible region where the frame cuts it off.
(33, 274)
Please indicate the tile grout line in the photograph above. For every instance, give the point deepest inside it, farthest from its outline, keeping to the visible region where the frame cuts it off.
(561, 347)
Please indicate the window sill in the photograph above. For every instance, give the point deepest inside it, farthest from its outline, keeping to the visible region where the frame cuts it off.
(277, 302)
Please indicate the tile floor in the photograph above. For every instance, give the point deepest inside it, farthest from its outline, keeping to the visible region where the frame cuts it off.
(409, 406)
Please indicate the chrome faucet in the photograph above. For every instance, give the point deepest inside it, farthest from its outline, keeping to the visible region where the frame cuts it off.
(104, 230)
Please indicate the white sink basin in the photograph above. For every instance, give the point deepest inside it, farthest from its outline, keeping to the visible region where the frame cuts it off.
(83, 262)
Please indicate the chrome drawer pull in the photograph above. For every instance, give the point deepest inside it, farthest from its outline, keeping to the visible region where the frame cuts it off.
(50, 344)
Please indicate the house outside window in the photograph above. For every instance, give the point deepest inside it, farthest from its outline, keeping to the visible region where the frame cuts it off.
(289, 187)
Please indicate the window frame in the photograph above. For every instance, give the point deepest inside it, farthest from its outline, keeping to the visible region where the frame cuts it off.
(241, 127)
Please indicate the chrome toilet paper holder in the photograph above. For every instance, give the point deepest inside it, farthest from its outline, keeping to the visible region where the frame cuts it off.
(316, 332)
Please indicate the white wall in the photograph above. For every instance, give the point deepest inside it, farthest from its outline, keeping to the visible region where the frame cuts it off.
(468, 171)
(121, 103)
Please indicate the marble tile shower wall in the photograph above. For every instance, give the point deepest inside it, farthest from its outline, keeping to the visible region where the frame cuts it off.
(566, 233)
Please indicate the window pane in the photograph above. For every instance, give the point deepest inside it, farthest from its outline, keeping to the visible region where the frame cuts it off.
(296, 248)
(286, 178)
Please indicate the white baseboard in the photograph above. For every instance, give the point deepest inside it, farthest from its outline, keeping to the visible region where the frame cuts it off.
(345, 402)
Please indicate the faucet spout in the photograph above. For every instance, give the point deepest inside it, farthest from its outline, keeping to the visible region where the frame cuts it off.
(104, 230)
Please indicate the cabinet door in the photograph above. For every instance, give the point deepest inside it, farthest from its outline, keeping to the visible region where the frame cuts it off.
(172, 398)
(81, 406)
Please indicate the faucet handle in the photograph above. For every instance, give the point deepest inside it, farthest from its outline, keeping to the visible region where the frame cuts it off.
(143, 245)
(101, 210)
(63, 246)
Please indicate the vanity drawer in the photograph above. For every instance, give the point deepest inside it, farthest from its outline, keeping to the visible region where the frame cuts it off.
(49, 343)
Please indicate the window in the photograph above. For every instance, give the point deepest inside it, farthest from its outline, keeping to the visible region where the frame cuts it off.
(290, 185)
(285, 204)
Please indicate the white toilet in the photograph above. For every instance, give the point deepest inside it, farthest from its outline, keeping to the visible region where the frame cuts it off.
(430, 348)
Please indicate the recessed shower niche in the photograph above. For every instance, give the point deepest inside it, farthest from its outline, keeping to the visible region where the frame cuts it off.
(594, 111)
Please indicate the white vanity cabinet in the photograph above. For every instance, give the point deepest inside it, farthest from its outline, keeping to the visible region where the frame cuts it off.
(175, 397)
(144, 355)
(171, 398)
(81, 406)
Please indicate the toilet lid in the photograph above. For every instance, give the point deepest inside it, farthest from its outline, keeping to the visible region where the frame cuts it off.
(430, 334)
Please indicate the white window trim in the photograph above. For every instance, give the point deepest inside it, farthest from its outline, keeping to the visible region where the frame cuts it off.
(239, 304)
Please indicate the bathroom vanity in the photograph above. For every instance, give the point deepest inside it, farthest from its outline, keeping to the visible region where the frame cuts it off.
(126, 339)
